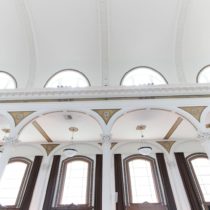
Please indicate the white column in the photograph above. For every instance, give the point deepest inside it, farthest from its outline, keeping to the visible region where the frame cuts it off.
(107, 170)
(41, 184)
(180, 195)
(204, 138)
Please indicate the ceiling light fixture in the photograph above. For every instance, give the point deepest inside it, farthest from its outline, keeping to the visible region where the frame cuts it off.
(143, 150)
(71, 152)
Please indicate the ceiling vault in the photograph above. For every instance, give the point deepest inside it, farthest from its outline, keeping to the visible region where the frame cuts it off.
(183, 6)
(104, 38)
(173, 128)
(28, 30)
(41, 131)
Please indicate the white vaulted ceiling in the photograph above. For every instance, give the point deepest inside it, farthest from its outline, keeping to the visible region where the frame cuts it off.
(103, 39)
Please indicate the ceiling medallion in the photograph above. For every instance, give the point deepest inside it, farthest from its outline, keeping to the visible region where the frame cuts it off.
(143, 149)
(71, 152)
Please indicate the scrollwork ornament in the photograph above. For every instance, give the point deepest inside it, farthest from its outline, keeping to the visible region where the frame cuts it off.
(10, 140)
(204, 137)
(106, 140)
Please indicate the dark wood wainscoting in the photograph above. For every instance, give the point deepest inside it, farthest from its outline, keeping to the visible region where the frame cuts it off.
(73, 207)
(147, 206)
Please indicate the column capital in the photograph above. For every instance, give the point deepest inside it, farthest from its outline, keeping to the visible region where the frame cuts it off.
(10, 140)
(203, 136)
(106, 138)
(106, 141)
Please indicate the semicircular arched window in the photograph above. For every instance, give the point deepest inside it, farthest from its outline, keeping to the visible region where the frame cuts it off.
(67, 78)
(7, 81)
(142, 76)
(204, 75)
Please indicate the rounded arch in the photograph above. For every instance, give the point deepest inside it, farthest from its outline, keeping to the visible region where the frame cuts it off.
(74, 71)
(161, 77)
(96, 148)
(89, 113)
(176, 110)
(124, 146)
(203, 118)
(10, 77)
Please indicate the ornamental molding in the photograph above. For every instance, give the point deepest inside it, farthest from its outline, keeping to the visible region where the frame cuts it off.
(106, 114)
(10, 140)
(195, 111)
(204, 137)
(142, 92)
(167, 145)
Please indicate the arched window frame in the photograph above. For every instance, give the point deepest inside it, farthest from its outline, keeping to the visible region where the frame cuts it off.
(138, 67)
(200, 72)
(189, 159)
(63, 70)
(89, 190)
(24, 181)
(12, 77)
(154, 173)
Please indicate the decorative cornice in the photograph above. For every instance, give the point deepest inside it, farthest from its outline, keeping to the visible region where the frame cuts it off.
(142, 92)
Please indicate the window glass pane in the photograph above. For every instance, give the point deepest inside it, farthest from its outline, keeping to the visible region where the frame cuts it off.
(67, 78)
(201, 167)
(142, 181)
(204, 75)
(142, 76)
(10, 182)
(6, 81)
(75, 183)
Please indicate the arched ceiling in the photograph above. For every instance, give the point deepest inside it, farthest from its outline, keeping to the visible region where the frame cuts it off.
(159, 124)
(54, 127)
(103, 39)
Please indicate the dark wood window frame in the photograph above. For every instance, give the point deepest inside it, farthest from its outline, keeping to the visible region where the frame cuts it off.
(189, 159)
(156, 179)
(23, 183)
(89, 189)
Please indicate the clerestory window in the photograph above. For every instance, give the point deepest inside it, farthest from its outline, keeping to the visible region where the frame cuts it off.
(142, 76)
(7, 81)
(67, 78)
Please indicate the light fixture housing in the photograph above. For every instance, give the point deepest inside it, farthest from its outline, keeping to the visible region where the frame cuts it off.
(70, 152)
(145, 150)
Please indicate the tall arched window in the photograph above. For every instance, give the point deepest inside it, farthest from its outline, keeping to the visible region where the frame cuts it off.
(67, 78)
(142, 181)
(13, 181)
(142, 76)
(200, 167)
(75, 185)
(7, 81)
(204, 75)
